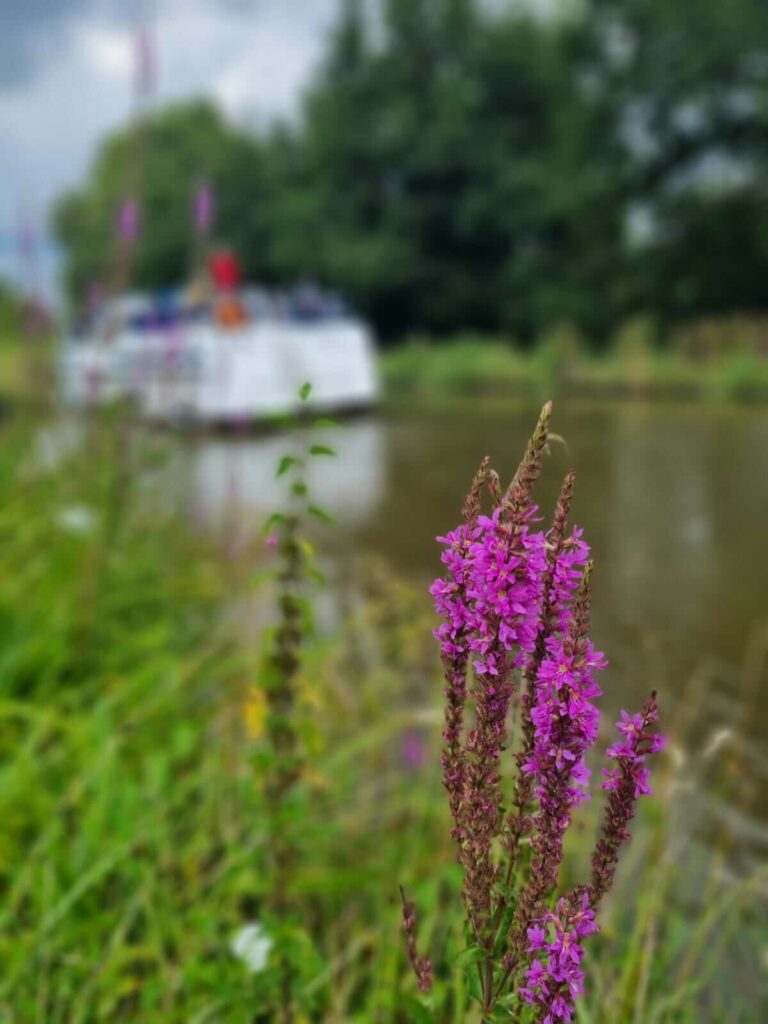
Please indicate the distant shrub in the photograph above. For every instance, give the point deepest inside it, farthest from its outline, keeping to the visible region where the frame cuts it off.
(714, 338)
(11, 312)
(634, 344)
(557, 356)
(719, 359)
(741, 377)
(403, 368)
(465, 365)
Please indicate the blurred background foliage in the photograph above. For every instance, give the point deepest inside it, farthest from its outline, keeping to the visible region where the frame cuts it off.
(460, 167)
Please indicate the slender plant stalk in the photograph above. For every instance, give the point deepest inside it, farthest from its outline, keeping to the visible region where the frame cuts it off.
(281, 667)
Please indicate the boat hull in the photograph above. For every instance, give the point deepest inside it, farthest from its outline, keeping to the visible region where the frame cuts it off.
(204, 374)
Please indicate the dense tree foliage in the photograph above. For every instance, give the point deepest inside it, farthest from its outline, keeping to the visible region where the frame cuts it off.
(456, 167)
(163, 162)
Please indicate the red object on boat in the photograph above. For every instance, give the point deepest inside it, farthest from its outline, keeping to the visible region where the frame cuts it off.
(224, 268)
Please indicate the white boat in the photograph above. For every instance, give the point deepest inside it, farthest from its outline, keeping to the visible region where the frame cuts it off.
(192, 369)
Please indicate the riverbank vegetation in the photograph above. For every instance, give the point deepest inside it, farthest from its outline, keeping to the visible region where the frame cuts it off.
(133, 845)
(711, 361)
(27, 362)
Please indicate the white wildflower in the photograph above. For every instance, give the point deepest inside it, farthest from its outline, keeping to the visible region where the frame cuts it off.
(251, 944)
(75, 518)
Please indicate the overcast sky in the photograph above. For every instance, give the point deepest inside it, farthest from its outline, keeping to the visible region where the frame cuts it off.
(67, 72)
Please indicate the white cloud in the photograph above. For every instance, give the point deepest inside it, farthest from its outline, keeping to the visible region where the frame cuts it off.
(108, 51)
(253, 58)
(267, 75)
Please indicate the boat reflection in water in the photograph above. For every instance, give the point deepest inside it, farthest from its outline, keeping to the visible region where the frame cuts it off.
(232, 483)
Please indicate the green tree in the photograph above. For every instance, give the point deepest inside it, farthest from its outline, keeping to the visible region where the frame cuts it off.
(687, 94)
(450, 175)
(163, 160)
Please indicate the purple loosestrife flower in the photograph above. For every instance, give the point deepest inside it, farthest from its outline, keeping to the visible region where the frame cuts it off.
(569, 565)
(413, 750)
(566, 724)
(555, 977)
(450, 595)
(566, 559)
(515, 603)
(625, 783)
(505, 589)
(490, 601)
(505, 585)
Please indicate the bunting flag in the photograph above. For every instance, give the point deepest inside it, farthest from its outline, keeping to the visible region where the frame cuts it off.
(129, 220)
(204, 209)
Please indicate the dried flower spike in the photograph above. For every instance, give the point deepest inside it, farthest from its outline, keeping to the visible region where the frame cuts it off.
(421, 965)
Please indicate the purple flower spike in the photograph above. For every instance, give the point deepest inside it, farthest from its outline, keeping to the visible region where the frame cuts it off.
(626, 782)
(514, 601)
(555, 977)
(414, 752)
(566, 724)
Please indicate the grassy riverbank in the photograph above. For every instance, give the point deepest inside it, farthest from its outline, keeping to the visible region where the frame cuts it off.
(26, 368)
(559, 365)
(132, 844)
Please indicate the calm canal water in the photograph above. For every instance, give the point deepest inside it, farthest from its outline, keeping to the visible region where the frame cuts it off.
(673, 501)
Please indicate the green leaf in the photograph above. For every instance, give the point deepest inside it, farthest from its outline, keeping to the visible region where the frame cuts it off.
(473, 982)
(321, 449)
(285, 464)
(321, 514)
(510, 1001)
(417, 1012)
(304, 391)
(299, 489)
(500, 1015)
(470, 956)
(276, 519)
(503, 931)
(325, 422)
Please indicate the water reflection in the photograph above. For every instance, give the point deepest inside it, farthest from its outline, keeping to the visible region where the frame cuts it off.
(228, 477)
